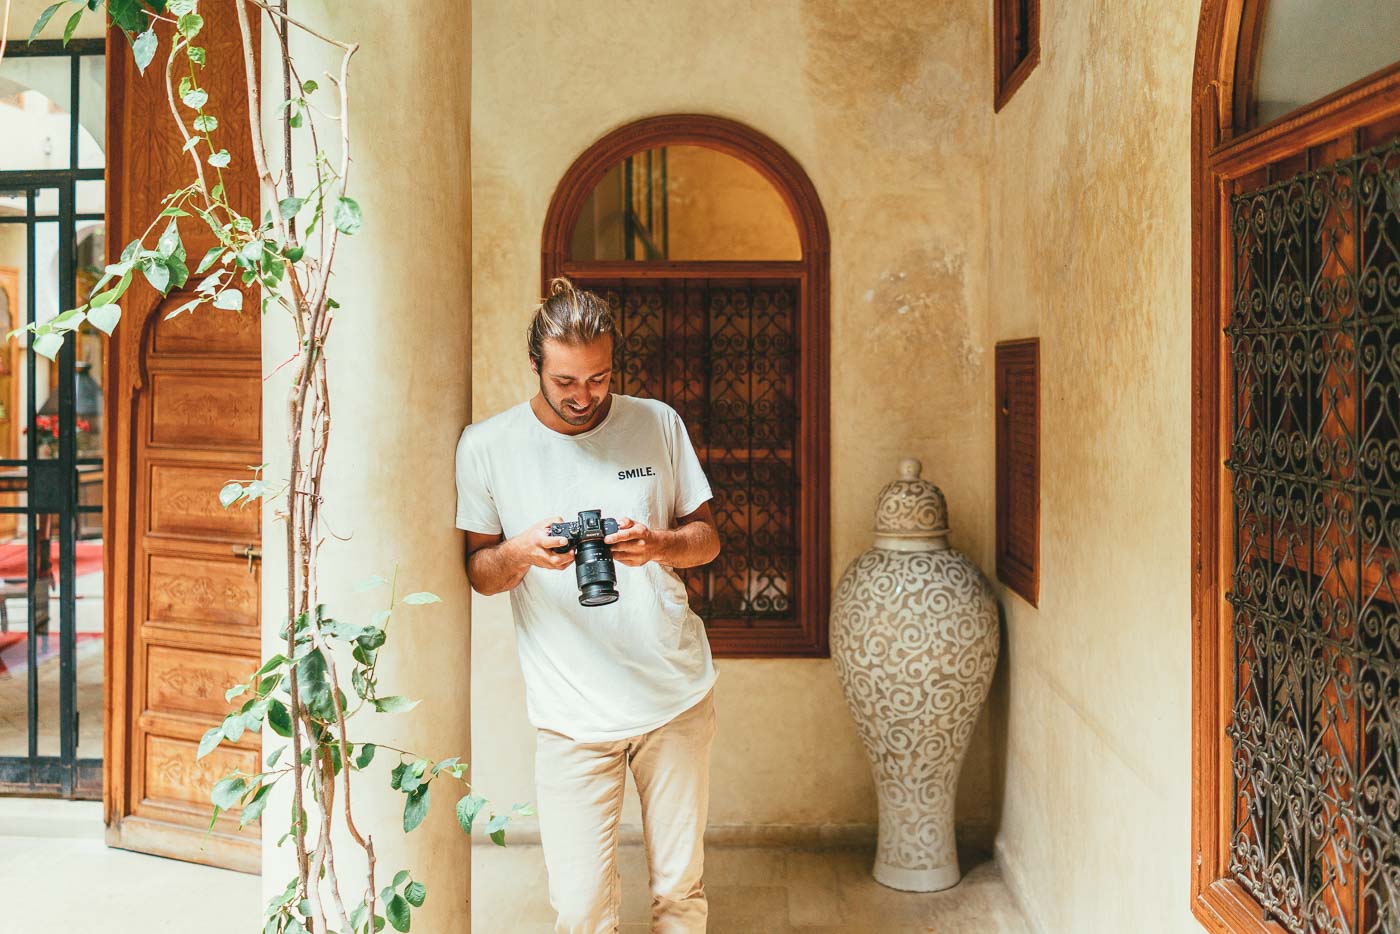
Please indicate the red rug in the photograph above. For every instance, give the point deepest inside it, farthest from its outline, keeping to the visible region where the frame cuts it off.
(14, 558)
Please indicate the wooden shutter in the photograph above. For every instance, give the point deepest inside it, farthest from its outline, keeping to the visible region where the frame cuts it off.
(1018, 466)
(185, 399)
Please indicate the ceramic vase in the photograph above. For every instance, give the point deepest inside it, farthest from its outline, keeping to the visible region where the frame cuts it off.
(914, 635)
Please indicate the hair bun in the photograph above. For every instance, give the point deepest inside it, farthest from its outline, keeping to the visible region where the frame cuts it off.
(560, 286)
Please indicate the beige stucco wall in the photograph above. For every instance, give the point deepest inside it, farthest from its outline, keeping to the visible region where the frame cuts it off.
(885, 107)
(399, 360)
(1089, 250)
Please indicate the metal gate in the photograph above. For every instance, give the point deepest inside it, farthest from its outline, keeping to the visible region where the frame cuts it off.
(51, 422)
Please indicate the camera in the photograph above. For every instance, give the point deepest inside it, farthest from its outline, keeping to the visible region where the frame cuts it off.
(593, 563)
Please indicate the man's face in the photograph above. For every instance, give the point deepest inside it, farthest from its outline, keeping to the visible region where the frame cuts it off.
(574, 378)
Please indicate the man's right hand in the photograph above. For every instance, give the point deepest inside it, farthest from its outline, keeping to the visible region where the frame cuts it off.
(534, 547)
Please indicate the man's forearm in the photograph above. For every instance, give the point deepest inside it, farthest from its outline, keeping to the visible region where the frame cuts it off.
(689, 545)
(495, 569)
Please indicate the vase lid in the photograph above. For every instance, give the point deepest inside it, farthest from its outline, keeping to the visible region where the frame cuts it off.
(911, 507)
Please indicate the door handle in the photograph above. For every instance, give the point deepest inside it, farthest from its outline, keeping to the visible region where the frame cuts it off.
(250, 551)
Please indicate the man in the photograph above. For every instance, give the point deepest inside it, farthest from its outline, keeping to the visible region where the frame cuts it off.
(607, 687)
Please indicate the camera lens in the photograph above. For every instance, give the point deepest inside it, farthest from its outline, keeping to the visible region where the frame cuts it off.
(596, 574)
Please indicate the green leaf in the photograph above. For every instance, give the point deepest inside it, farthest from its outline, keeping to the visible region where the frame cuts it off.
(394, 704)
(72, 25)
(348, 219)
(497, 823)
(446, 764)
(212, 737)
(467, 809)
(279, 718)
(180, 7)
(227, 792)
(273, 756)
(187, 306)
(190, 24)
(288, 207)
(400, 878)
(143, 49)
(254, 808)
(294, 253)
(412, 778)
(233, 727)
(229, 300)
(196, 54)
(415, 894)
(308, 87)
(416, 807)
(523, 810)
(397, 912)
(396, 776)
(210, 258)
(105, 317)
(498, 837)
(48, 345)
(272, 664)
(229, 493)
(196, 98)
(366, 756)
(219, 159)
(206, 123)
(169, 240)
(233, 692)
(157, 274)
(43, 20)
(69, 320)
(422, 597)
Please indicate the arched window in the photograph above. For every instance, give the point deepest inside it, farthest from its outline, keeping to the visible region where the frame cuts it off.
(1296, 467)
(710, 244)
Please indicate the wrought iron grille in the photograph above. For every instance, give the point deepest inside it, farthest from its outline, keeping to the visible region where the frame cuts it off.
(1314, 460)
(723, 354)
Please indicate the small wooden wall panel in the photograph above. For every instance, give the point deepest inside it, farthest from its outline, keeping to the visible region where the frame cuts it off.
(185, 681)
(197, 410)
(221, 593)
(173, 774)
(1018, 466)
(230, 332)
(185, 501)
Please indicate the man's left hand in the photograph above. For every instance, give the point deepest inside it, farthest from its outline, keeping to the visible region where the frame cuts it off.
(633, 544)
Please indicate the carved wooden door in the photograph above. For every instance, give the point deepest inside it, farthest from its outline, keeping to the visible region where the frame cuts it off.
(186, 397)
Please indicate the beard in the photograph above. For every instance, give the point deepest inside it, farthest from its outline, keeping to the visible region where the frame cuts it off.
(568, 413)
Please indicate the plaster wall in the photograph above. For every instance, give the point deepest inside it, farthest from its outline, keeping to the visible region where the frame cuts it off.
(399, 361)
(885, 106)
(1089, 251)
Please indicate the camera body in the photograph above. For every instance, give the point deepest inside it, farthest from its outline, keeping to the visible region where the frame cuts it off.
(593, 564)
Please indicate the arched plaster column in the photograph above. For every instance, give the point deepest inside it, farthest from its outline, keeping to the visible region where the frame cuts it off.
(400, 365)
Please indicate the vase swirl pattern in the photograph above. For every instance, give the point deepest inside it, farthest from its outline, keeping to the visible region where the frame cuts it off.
(914, 637)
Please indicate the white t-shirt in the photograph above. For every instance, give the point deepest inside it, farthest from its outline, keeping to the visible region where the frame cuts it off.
(605, 672)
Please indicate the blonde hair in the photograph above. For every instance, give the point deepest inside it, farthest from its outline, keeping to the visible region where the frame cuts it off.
(569, 315)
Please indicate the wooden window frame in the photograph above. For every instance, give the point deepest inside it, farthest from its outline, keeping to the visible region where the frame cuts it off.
(807, 636)
(1022, 578)
(1012, 72)
(1222, 150)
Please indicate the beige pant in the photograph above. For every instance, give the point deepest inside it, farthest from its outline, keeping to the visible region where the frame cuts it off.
(579, 795)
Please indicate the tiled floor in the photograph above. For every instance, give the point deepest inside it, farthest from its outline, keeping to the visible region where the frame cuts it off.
(51, 849)
(758, 890)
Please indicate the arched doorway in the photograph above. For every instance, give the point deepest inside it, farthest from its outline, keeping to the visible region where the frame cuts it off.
(710, 242)
(1296, 467)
